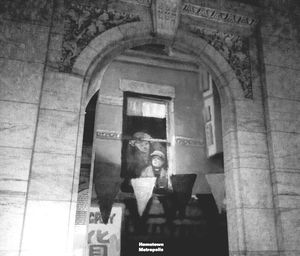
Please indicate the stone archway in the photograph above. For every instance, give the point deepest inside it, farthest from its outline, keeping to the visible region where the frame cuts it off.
(91, 65)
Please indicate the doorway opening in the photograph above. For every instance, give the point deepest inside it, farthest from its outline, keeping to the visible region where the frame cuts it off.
(202, 227)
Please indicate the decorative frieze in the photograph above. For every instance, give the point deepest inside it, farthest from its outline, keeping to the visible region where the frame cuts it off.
(217, 15)
(108, 135)
(235, 50)
(82, 24)
(190, 142)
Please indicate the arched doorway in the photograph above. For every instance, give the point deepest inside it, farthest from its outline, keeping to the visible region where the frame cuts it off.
(95, 67)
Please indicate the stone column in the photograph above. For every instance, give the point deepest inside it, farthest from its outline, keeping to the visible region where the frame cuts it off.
(281, 58)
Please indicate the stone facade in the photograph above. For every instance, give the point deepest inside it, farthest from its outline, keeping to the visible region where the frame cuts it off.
(53, 53)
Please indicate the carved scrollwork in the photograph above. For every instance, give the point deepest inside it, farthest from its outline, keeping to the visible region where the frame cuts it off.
(84, 23)
(235, 49)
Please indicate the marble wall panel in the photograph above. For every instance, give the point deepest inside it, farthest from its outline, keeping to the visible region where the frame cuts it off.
(61, 92)
(283, 82)
(20, 81)
(109, 117)
(287, 188)
(17, 41)
(11, 221)
(46, 223)
(281, 52)
(252, 149)
(284, 115)
(290, 229)
(236, 237)
(255, 187)
(250, 116)
(260, 229)
(57, 132)
(55, 50)
(17, 124)
(14, 169)
(51, 177)
(233, 190)
(286, 150)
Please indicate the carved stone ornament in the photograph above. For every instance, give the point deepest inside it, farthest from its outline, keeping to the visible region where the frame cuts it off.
(217, 15)
(84, 23)
(235, 49)
(166, 15)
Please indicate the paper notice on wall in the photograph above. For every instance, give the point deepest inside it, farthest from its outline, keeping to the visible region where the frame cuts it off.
(143, 188)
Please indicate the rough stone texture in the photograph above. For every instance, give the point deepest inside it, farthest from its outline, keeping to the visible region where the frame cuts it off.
(284, 115)
(283, 82)
(57, 132)
(20, 81)
(11, 219)
(16, 41)
(51, 177)
(290, 228)
(61, 92)
(17, 124)
(286, 151)
(14, 170)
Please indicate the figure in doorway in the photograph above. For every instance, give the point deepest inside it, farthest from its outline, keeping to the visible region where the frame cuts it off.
(157, 169)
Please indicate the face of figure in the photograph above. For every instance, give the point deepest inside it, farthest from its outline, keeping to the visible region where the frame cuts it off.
(143, 146)
(157, 162)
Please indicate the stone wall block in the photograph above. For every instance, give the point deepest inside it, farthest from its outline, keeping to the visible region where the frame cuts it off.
(135, 29)
(61, 92)
(286, 150)
(236, 237)
(284, 115)
(188, 41)
(256, 188)
(46, 223)
(55, 50)
(290, 228)
(17, 124)
(14, 170)
(288, 189)
(20, 81)
(260, 222)
(75, 181)
(250, 116)
(253, 152)
(11, 220)
(281, 52)
(283, 82)
(233, 189)
(17, 41)
(51, 177)
(84, 60)
(57, 132)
